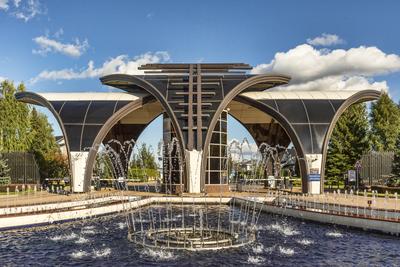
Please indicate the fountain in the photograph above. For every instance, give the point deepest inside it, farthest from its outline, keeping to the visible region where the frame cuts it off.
(180, 222)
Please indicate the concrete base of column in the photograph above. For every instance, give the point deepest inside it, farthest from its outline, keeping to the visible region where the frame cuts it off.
(314, 162)
(79, 159)
(193, 161)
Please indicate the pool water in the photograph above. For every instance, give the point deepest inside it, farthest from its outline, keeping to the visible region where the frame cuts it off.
(281, 241)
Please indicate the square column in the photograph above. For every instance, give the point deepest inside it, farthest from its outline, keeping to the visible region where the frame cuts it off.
(79, 159)
(314, 164)
(193, 162)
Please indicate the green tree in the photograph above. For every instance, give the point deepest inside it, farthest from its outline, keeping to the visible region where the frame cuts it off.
(349, 141)
(385, 124)
(15, 124)
(47, 153)
(143, 164)
(396, 160)
(4, 170)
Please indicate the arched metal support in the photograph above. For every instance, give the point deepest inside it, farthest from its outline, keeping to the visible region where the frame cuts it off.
(289, 131)
(362, 96)
(130, 83)
(117, 116)
(36, 99)
(265, 78)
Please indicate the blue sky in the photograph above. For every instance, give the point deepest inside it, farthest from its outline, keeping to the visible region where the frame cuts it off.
(49, 44)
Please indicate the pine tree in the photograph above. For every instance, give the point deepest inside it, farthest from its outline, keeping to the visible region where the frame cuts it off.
(396, 160)
(349, 141)
(385, 124)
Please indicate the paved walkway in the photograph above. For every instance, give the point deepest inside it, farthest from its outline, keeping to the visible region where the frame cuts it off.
(342, 199)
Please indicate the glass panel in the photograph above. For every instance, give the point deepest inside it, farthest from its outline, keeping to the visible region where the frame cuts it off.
(293, 110)
(319, 111)
(57, 105)
(303, 132)
(214, 177)
(318, 134)
(74, 112)
(74, 136)
(89, 134)
(215, 138)
(100, 111)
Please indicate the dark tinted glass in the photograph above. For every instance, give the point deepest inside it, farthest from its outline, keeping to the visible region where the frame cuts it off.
(318, 133)
(121, 104)
(319, 111)
(100, 111)
(214, 164)
(214, 151)
(293, 110)
(74, 136)
(57, 105)
(303, 132)
(270, 103)
(337, 103)
(74, 111)
(89, 134)
(214, 177)
(215, 138)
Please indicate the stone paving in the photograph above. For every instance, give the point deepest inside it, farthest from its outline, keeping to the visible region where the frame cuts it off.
(334, 199)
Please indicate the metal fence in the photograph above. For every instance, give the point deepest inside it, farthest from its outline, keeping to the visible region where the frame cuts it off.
(23, 167)
(376, 167)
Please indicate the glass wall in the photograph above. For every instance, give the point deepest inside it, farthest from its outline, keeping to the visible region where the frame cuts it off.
(216, 172)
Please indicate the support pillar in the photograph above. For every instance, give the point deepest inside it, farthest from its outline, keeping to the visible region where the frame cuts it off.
(79, 159)
(193, 163)
(314, 165)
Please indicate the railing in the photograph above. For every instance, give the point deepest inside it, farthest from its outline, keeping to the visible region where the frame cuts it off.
(342, 204)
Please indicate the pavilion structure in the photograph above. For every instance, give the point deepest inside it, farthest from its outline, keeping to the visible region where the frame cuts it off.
(195, 100)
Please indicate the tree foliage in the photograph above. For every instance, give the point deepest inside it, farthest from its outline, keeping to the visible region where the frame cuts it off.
(15, 124)
(143, 164)
(349, 141)
(396, 160)
(4, 170)
(385, 124)
(24, 129)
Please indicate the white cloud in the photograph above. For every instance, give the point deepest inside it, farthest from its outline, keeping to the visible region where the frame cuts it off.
(17, 2)
(28, 9)
(120, 64)
(4, 5)
(2, 79)
(333, 83)
(22, 9)
(319, 69)
(47, 45)
(325, 40)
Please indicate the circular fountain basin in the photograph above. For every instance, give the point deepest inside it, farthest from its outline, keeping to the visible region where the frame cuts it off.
(190, 239)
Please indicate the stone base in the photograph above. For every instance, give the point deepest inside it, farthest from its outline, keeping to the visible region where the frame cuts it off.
(216, 188)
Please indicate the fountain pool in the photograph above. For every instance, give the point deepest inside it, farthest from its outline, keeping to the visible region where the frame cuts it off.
(280, 241)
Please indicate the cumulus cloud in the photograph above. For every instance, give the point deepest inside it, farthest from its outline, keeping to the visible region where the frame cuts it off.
(2, 79)
(120, 64)
(22, 9)
(325, 40)
(47, 45)
(4, 5)
(319, 69)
